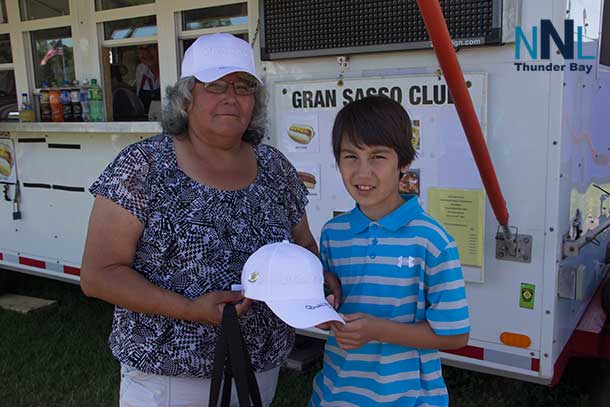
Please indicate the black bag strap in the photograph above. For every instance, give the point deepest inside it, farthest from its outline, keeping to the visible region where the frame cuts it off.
(219, 364)
(232, 355)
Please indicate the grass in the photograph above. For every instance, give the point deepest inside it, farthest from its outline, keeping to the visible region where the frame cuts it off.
(60, 357)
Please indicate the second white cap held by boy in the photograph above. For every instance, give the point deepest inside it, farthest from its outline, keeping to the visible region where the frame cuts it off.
(290, 280)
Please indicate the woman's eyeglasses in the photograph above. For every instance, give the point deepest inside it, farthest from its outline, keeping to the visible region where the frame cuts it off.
(242, 88)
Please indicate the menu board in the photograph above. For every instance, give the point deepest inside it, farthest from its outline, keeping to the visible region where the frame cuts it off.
(303, 112)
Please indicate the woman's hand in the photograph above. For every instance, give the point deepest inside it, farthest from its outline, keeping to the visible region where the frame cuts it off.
(333, 284)
(208, 308)
(359, 330)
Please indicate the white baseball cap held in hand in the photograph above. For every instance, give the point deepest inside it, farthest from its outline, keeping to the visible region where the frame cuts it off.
(213, 56)
(289, 279)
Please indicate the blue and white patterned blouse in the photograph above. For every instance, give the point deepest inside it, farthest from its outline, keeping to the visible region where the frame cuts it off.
(196, 239)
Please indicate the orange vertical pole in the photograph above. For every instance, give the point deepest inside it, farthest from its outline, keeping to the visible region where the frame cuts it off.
(447, 58)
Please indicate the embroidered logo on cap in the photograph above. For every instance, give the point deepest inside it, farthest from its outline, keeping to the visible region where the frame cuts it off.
(253, 277)
(322, 304)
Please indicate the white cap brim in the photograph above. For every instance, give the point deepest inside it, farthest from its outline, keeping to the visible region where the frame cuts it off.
(304, 313)
(212, 74)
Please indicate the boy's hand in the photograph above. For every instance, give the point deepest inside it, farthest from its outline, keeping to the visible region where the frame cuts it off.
(326, 326)
(334, 285)
(359, 330)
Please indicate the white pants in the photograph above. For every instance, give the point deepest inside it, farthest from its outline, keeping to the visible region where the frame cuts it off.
(139, 389)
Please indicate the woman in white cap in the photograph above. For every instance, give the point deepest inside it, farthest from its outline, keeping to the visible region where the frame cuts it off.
(175, 218)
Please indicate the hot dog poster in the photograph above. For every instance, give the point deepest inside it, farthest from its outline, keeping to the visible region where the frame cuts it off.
(302, 116)
(416, 134)
(409, 182)
(8, 175)
(300, 133)
(310, 175)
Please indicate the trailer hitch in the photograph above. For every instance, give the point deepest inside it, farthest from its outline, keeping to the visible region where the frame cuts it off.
(513, 246)
(573, 247)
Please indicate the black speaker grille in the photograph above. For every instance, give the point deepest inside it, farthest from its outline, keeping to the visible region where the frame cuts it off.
(300, 28)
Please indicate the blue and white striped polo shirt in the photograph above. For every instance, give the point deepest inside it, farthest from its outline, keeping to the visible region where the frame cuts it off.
(403, 267)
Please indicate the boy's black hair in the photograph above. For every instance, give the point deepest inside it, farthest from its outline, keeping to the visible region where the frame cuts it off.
(375, 121)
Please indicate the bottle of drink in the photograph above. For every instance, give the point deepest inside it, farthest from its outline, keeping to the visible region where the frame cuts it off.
(84, 100)
(64, 96)
(26, 113)
(45, 107)
(96, 108)
(57, 111)
(77, 110)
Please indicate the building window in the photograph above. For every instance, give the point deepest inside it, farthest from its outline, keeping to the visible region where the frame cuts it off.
(131, 72)
(134, 82)
(8, 96)
(221, 16)
(36, 9)
(112, 4)
(3, 18)
(6, 54)
(130, 28)
(53, 56)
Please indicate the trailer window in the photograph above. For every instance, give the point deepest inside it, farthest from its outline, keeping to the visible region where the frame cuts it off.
(230, 18)
(53, 55)
(130, 28)
(604, 49)
(134, 82)
(6, 55)
(3, 18)
(221, 16)
(36, 9)
(111, 4)
(8, 96)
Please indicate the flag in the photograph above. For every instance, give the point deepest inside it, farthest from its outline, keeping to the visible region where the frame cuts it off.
(50, 54)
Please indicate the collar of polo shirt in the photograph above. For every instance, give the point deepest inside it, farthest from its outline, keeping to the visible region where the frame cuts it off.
(393, 221)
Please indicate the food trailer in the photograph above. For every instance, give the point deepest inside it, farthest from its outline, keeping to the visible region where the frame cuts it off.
(536, 81)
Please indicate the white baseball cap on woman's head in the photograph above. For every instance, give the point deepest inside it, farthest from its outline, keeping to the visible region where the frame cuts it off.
(290, 280)
(213, 56)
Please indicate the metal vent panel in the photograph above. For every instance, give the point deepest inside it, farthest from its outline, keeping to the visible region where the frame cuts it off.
(302, 28)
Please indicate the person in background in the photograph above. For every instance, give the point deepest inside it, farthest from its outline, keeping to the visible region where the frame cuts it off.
(175, 218)
(147, 75)
(400, 274)
(8, 95)
(126, 105)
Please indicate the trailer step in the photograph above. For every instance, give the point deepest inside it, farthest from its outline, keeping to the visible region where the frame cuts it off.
(23, 304)
(591, 338)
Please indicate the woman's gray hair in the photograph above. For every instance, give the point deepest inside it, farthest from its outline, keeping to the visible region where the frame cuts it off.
(179, 97)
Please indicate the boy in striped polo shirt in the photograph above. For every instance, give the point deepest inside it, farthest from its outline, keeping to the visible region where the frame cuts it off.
(401, 280)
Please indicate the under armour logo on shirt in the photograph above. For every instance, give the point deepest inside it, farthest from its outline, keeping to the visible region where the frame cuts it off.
(409, 261)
